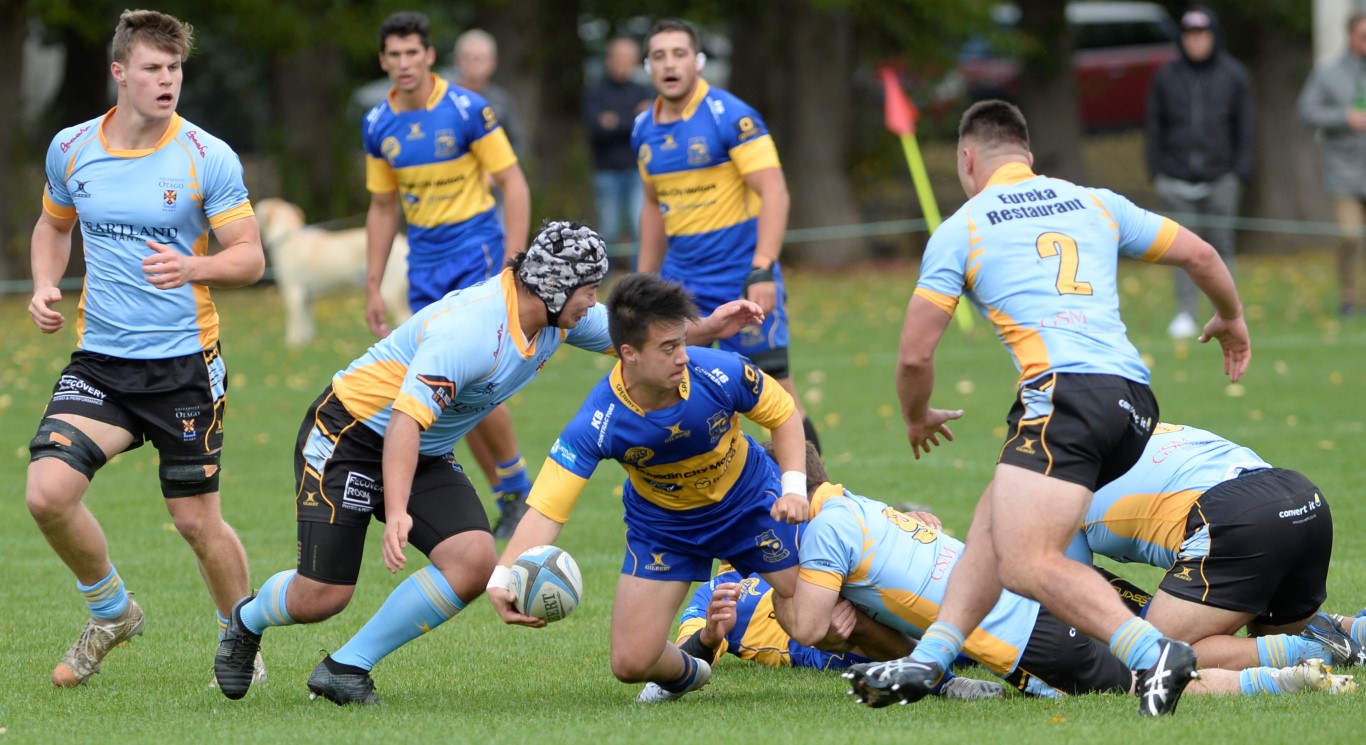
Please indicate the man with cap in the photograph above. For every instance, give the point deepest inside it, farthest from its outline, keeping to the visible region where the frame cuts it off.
(378, 443)
(1200, 143)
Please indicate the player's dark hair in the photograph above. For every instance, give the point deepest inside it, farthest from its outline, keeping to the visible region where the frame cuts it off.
(641, 301)
(994, 122)
(815, 467)
(157, 30)
(406, 23)
(665, 25)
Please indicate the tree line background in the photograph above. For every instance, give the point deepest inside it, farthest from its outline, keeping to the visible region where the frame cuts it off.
(275, 79)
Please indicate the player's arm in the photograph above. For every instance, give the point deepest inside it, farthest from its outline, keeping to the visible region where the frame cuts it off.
(775, 202)
(653, 241)
(789, 449)
(516, 208)
(241, 262)
(1202, 262)
(50, 250)
(920, 334)
(401, 441)
(381, 227)
(808, 616)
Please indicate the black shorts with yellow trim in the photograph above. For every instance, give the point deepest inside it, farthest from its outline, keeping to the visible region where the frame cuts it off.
(177, 403)
(338, 470)
(1085, 429)
(1259, 543)
(1068, 661)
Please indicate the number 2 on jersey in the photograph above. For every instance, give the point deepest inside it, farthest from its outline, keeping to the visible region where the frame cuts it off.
(1058, 244)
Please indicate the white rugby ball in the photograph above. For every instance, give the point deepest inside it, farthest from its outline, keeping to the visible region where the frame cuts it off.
(546, 583)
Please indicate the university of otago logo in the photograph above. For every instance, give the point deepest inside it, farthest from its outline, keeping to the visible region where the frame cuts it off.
(390, 148)
(637, 456)
(189, 433)
(168, 197)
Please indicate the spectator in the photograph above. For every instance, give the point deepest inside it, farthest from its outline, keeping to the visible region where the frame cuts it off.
(476, 59)
(1334, 102)
(610, 106)
(1200, 141)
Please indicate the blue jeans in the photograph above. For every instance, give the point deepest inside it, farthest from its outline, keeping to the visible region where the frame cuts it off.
(618, 195)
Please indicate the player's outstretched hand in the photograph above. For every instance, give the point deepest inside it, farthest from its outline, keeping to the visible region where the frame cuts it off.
(929, 518)
(41, 311)
(377, 315)
(791, 508)
(1233, 337)
(727, 320)
(720, 614)
(501, 597)
(924, 434)
(396, 530)
(765, 294)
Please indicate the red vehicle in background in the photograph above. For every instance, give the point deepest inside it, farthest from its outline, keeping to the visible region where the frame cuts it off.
(1117, 48)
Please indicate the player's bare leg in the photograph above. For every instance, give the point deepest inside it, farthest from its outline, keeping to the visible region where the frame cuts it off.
(642, 615)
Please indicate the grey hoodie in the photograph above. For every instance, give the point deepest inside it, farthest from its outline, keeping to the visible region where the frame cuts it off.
(1332, 88)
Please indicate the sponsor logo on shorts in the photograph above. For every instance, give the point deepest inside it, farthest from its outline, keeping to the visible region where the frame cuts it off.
(1303, 509)
(72, 388)
(1184, 575)
(658, 565)
(361, 493)
(1141, 423)
(310, 499)
(1028, 447)
(771, 547)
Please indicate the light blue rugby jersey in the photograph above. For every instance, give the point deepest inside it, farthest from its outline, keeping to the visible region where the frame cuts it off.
(456, 359)
(171, 193)
(1141, 516)
(896, 568)
(1038, 258)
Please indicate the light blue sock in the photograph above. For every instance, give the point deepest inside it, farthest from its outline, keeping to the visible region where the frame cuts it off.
(1135, 642)
(1358, 629)
(1284, 650)
(419, 604)
(941, 643)
(681, 683)
(1258, 680)
(512, 478)
(107, 598)
(268, 607)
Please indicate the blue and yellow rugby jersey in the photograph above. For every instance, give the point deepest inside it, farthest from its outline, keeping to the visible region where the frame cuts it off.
(456, 359)
(1141, 516)
(757, 635)
(698, 167)
(171, 193)
(680, 461)
(896, 568)
(1038, 258)
(438, 160)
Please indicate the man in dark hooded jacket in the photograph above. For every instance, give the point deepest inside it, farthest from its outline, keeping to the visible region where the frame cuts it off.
(1200, 142)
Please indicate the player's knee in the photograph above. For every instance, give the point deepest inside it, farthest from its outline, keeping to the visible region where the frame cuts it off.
(62, 441)
(317, 601)
(188, 475)
(630, 666)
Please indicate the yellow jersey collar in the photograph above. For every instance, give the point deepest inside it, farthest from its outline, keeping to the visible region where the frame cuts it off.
(824, 492)
(698, 94)
(1010, 173)
(172, 129)
(524, 347)
(618, 382)
(438, 92)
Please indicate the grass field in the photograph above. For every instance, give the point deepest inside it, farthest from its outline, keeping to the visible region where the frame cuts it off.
(1301, 406)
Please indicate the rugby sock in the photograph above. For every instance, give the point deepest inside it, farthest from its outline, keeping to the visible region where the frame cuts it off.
(419, 604)
(681, 683)
(1135, 642)
(107, 598)
(1258, 680)
(222, 625)
(811, 436)
(512, 477)
(268, 607)
(941, 643)
(1357, 629)
(1284, 650)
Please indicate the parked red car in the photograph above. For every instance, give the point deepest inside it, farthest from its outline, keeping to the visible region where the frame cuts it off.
(1118, 47)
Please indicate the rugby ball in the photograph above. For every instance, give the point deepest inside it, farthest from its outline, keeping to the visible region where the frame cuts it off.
(546, 583)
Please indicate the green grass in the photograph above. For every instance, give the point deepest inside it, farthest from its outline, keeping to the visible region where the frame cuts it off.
(476, 680)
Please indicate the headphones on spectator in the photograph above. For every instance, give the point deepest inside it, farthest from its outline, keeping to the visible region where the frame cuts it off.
(701, 62)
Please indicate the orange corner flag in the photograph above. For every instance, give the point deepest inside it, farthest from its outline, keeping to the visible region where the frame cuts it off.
(898, 111)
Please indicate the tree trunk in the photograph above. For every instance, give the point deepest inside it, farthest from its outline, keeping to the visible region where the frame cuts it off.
(12, 33)
(310, 91)
(1048, 91)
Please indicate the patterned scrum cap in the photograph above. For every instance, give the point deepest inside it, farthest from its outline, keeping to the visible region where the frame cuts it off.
(563, 257)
